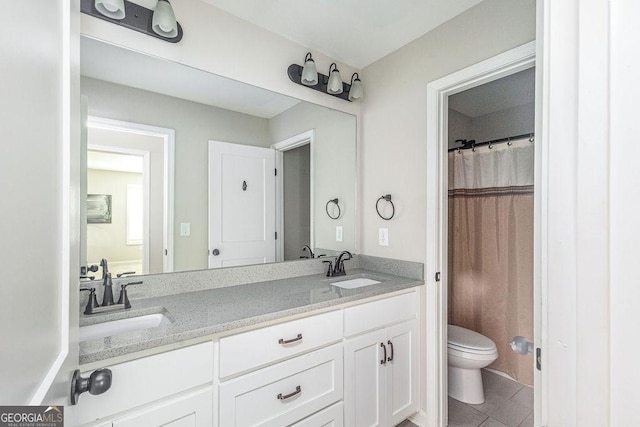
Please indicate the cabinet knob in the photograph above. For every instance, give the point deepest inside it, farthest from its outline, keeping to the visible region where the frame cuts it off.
(98, 382)
(215, 252)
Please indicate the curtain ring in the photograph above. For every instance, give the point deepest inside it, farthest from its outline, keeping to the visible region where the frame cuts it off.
(386, 197)
(326, 208)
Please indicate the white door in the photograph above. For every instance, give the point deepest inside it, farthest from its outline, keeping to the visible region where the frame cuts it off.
(242, 220)
(39, 166)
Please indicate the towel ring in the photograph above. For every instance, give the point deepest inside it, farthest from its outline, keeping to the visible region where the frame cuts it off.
(386, 197)
(326, 208)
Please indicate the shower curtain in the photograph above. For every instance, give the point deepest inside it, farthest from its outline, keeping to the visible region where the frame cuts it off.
(491, 248)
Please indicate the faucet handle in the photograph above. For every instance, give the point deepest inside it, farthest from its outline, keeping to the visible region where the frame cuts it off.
(92, 302)
(330, 271)
(126, 272)
(124, 298)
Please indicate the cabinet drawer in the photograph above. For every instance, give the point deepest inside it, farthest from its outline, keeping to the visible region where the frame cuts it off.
(188, 409)
(330, 417)
(377, 314)
(141, 381)
(253, 349)
(284, 393)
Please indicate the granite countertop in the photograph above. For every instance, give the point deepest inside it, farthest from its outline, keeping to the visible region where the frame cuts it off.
(202, 314)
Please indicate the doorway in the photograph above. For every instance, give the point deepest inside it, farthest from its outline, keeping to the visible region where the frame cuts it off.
(128, 170)
(490, 188)
(436, 263)
(295, 196)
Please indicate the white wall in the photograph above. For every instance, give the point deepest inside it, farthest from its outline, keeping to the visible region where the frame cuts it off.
(500, 124)
(108, 240)
(222, 44)
(195, 124)
(335, 167)
(394, 115)
(625, 205)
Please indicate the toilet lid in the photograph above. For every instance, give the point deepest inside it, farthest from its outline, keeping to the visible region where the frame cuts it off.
(466, 338)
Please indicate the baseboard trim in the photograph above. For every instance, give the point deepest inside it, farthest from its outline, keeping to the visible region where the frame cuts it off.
(419, 419)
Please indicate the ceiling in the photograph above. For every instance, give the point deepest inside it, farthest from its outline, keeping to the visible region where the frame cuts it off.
(354, 32)
(114, 64)
(508, 92)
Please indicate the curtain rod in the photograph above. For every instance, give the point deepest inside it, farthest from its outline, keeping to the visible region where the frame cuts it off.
(471, 143)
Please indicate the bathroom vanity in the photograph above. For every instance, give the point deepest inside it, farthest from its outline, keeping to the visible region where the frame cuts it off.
(294, 351)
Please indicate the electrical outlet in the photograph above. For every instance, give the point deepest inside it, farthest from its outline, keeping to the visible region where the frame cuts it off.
(383, 237)
(339, 233)
(185, 229)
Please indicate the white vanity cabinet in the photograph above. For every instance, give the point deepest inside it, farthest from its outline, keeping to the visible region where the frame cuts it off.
(172, 388)
(282, 374)
(381, 359)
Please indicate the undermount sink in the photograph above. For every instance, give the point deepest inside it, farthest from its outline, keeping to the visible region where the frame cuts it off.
(115, 327)
(355, 283)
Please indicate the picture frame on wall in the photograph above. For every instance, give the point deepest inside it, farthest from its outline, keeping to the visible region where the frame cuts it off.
(98, 208)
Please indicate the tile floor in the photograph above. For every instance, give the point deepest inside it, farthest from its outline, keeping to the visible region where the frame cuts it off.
(507, 404)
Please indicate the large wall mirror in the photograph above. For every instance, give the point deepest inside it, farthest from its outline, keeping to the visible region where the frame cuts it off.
(181, 169)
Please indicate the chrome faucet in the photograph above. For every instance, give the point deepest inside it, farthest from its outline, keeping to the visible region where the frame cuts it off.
(339, 267)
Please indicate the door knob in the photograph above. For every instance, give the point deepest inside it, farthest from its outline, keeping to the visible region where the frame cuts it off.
(215, 252)
(98, 382)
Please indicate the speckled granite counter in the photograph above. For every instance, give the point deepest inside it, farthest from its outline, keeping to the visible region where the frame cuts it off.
(205, 313)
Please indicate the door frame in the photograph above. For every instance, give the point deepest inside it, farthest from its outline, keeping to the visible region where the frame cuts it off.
(438, 91)
(168, 137)
(295, 141)
(146, 182)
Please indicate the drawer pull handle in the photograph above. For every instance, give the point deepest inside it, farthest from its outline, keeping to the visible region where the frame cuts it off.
(287, 396)
(390, 359)
(283, 341)
(384, 358)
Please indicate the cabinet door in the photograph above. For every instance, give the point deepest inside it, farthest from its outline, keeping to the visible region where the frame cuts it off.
(365, 381)
(402, 369)
(191, 409)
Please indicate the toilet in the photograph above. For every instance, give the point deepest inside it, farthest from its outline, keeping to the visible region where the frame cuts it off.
(468, 352)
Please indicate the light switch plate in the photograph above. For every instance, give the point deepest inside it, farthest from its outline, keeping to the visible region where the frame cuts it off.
(383, 237)
(339, 233)
(185, 229)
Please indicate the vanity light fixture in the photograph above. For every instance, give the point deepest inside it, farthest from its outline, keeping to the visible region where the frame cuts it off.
(307, 75)
(113, 9)
(159, 23)
(357, 90)
(334, 86)
(309, 71)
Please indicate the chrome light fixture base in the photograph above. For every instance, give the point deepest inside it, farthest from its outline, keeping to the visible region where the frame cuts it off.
(136, 18)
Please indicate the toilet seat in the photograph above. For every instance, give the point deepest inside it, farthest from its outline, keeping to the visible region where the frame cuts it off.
(467, 341)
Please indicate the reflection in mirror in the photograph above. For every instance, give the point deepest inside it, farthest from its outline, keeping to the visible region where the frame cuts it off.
(312, 147)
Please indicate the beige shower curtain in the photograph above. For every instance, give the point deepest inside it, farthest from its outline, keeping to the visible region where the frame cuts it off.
(491, 249)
